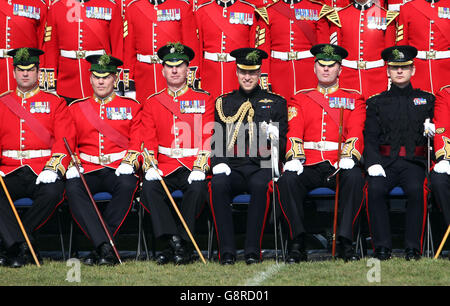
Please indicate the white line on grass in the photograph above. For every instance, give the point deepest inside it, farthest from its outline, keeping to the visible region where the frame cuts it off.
(260, 277)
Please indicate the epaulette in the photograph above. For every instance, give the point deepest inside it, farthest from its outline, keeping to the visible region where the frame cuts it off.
(276, 95)
(200, 90)
(130, 98)
(225, 94)
(303, 90)
(331, 14)
(185, 1)
(204, 4)
(114, 2)
(156, 93)
(245, 2)
(445, 86)
(351, 90)
(6, 92)
(377, 94)
(390, 15)
(51, 92)
(43, 2)
(78, 100)
(262, 12)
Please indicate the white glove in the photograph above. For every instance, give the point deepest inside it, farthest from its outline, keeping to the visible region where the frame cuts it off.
(124, 169)
(153, 175)
(429, 129)
(2, 174)
(442, 167)
(46, 176)
(272, 132)
(376, 170)
(294, 165)
(196, 175)
(73, 173)
(346, 163)
(130, 94)
(221, 168)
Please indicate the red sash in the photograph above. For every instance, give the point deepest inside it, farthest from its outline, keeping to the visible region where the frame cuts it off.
(38, 129)
(95, 27)
(431, 13)
(174, 108)
(324, 103)
(103, 127)
(305, 27)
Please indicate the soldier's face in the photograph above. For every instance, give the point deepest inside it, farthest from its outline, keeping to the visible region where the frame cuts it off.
(401, 75)
(327, 75)
(248, 79)
(26, 79)
(103, 86)
(175, 76)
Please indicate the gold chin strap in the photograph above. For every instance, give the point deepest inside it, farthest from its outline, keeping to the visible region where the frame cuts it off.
(245, 108)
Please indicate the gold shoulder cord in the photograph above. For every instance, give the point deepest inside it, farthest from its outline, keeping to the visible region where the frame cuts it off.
(239, 117)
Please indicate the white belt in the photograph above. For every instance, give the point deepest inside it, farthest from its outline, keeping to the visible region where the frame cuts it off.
(149, 59)
(219, 57)
(433, 54)
(363, 64)
(15, 154)
(73, 54)
(177, 152)
(104, 159)
(290, 56)
(321, 145)
(3, 53)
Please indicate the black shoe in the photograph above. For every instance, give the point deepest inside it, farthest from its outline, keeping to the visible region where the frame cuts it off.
(181, 253)
(227, 259)
(4, 260)
(164, 257)
(251, 259)
(412, 254)
(296, 251)
(91, 259)
(24, 256)
(346, 250)
(106, 255)
(382, 253)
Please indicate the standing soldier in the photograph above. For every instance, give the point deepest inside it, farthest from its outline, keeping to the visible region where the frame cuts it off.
(425, 24)
(150, 25)
(223, 25)
(22, 24)
(75, 30)
(287, 30)
(395, 152)
(34, 159)
(320, 120)
(241, 161)
(364, 29)
(108, 148)
(440, 176)
(176, 126)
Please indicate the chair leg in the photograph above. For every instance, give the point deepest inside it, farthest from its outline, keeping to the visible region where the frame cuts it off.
(210, 239)
(428, 248)
(61, 238)
(282, 242)
(70, 238)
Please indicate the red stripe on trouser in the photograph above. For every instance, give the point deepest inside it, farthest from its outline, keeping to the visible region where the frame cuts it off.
(51, 214)
(425, 209)
(359, 210)
(268, 193)
(128, 211)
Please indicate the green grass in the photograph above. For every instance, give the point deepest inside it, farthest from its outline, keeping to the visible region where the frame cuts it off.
(395, 272)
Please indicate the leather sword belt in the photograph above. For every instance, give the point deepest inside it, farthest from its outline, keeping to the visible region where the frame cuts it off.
(426, 55)
(418, 151)
(16, 154)
(177, 152)
(363, 64)
(291, 56)
(80, 54)
(148, 59)
(321, 145)
(103, 159)
(219, 57)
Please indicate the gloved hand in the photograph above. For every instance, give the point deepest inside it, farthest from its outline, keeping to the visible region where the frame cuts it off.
(272, 132)
(442, 167)
(429, 129)
(46, 177)
(196, 175)
(221, 168)
(73, 173)
(346, 163)
(2, 174)
(376, 170)
(294, 165)
(124, 169)
(152, 174)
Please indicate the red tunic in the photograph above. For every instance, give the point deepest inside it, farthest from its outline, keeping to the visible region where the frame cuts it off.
(318, 126)
(170, 128)
(120, 113)
(18, 136)
(422, 26)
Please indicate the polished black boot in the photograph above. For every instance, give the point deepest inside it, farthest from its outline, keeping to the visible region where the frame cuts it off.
(412, 254)
(296, 250)
(106, 255)
(382, 253)
(23, 256)
(346, 250)
(182, 253)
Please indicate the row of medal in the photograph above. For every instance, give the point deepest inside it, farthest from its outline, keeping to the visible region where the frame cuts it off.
(306, 14)
(379, 23)
(168, 15)
(27, 11)
(192, 106)
(337, 102)
(104, 13)
(119, 113)
(420, 101)
(241, 18)
(40, 107)
(444, 12)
